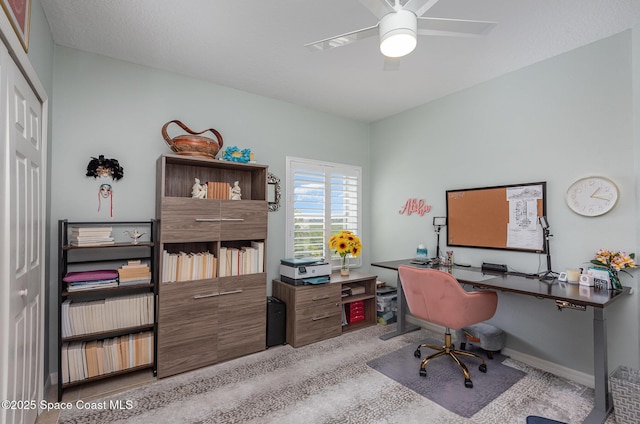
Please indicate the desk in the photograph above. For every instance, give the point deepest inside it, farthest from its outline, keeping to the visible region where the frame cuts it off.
(597, 299)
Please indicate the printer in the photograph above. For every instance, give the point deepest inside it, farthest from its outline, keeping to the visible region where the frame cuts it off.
(301, 271)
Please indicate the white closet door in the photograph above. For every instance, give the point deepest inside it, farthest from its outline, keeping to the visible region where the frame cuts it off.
(23, 223)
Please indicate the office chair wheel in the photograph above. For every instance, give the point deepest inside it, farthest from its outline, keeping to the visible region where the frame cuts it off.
(468, 384)
(423, 372)
(417, 353)
(483, 367)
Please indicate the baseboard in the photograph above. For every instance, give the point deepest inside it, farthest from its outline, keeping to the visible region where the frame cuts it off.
(551, 367)
(544, 365)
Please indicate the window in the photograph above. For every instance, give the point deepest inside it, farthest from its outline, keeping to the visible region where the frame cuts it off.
(322, 199)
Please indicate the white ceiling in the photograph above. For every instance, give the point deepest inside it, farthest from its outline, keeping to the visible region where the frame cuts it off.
(257, 46)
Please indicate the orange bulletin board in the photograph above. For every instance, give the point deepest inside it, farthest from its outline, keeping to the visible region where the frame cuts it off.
(486, 218)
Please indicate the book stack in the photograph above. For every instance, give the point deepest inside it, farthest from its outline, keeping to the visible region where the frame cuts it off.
(218, 190)
(91, 280)
(81, 360)
(109, 314)
(242, 260)
(133, 273)
(90, 236)
(183, 266)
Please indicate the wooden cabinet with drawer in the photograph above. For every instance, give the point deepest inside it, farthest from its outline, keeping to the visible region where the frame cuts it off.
(314, 312)
(204, 319)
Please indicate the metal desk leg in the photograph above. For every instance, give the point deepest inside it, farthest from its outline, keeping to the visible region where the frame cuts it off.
(603, 399)
(401, 326)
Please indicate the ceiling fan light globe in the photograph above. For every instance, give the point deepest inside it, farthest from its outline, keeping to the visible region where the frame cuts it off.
(398, 44)
(398, 33)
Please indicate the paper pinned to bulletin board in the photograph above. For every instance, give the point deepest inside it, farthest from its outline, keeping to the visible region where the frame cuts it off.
(523, 229)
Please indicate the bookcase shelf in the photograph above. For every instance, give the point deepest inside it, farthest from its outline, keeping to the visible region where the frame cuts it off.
(84, 352)
(108, 334)
(208, 320)
(109, 246)
(101, 292)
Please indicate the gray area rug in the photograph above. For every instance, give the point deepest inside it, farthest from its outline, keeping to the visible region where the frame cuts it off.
(328, 382)
(444, 383)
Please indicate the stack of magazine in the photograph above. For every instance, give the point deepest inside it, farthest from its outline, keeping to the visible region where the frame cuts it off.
(91, 280)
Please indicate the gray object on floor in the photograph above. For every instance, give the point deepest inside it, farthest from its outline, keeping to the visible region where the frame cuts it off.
(444, 384)
(489, 337)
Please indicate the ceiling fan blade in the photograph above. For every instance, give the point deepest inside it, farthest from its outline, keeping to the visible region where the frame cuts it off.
(344, 39)
(454, 27)
(419, 7)
(378, 7)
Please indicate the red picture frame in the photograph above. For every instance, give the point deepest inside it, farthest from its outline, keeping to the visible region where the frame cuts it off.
(19, 14)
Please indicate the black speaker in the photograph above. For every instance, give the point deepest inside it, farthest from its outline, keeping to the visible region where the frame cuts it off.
(276, 322)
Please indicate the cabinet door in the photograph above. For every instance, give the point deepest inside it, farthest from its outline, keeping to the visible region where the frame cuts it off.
(242, 315)
(317, 323)
(243, 220)
(187, 326)
(189, 220)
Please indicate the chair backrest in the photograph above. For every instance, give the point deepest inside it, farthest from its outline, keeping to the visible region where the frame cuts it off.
(436, 296)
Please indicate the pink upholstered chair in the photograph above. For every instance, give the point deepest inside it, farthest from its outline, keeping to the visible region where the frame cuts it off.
(437, 297)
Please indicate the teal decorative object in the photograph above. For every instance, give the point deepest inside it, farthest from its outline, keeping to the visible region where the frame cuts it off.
(233, 154)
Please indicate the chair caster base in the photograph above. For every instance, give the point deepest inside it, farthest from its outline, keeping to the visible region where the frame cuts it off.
(423, 373)
(468, 384)
(483, 368)
(417, 353)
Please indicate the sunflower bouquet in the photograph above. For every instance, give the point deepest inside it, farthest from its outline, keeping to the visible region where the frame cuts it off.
(345, 243)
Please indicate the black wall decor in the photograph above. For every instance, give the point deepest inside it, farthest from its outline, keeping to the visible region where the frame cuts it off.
(102, 167)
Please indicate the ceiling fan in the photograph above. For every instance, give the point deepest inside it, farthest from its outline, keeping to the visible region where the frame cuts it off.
(399, 24)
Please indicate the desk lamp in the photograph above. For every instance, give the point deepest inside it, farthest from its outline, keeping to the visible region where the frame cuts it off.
(438, 223)
(548, 274)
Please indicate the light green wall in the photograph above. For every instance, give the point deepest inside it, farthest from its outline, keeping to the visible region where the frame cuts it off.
(556, 121)
(115, 108)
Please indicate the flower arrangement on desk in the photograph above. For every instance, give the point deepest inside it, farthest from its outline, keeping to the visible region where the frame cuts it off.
(345, 243)
(614, 261)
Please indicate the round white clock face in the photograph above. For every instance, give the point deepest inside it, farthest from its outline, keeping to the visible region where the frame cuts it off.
(592, 196)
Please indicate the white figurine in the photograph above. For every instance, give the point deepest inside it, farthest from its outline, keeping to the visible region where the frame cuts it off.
(236, 192)
(199, 191)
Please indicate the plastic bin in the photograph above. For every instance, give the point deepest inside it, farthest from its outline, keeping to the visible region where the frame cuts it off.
(386, 305)
(386, 302)
(625, 389)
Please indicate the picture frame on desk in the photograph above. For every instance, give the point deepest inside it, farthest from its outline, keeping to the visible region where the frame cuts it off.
(19, 14)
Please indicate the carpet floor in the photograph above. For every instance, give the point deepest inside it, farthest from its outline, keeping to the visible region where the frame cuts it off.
(328, 382)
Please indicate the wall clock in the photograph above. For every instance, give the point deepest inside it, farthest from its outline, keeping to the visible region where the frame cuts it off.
(592, 196)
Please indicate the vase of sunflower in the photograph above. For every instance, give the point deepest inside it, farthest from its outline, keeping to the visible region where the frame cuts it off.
(614, 262)
(345, 244)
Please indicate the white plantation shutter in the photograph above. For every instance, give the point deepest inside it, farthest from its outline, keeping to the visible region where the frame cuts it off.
(322, 199)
